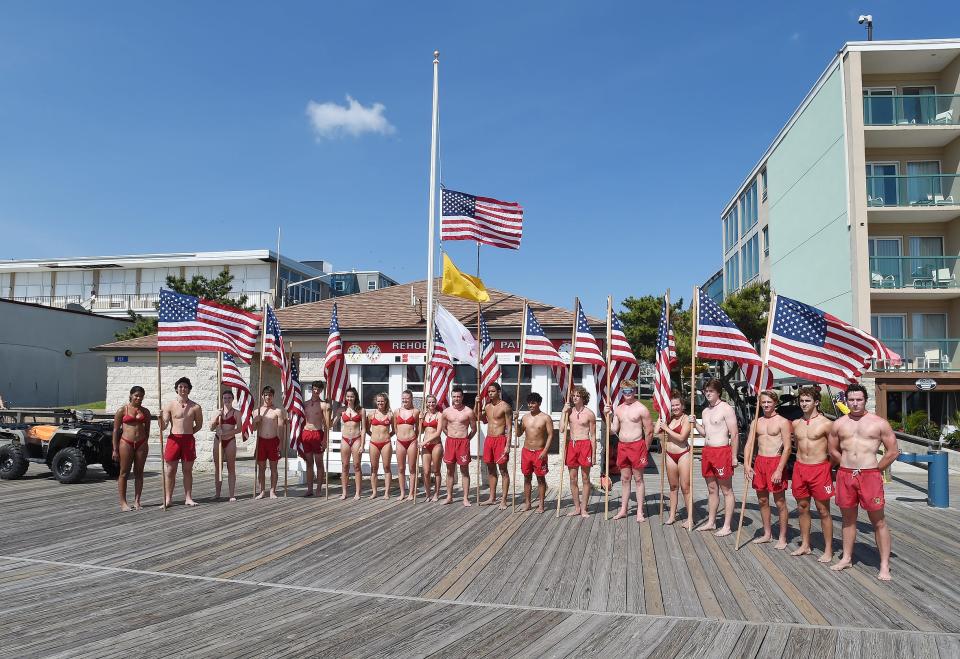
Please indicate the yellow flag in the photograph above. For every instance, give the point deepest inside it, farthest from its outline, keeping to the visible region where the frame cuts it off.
(460, 285)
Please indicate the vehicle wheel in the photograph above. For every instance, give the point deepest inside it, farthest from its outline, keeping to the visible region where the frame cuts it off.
(112, 468)
(12, 463)
(69, 465)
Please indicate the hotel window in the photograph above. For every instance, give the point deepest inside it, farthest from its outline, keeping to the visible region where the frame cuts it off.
(763, 185)
(32, 284)
(928, 331)
(340, 285)
(74, 283)
(466, 377)
(891, 330)
(751, 258)
(208, 272)
(372, 285)
(508, 380)
(374, 379)
(413, 380)
(731, 274)
(250, 278)
(117, 282)
(748, 200)
(5, 284)
(153, 279)
(766, 241)
(730, 229)
(556, 400)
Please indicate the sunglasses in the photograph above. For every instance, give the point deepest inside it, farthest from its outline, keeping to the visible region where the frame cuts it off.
(629, 392)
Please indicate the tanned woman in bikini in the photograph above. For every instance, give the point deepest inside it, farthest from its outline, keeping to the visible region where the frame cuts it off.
(226, 426)
(351, 442)
(407, 421)
(431, 450)
(677, 430)
(131, 428)
(380, 428)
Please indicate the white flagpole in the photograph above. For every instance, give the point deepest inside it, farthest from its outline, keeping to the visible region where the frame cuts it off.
(431, 215)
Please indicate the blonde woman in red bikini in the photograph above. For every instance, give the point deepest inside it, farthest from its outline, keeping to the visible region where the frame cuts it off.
(380, 427)
(431, 450)
(351, 442)
(407, 422)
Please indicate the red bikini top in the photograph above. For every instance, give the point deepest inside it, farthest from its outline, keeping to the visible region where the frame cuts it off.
(412, 421)
(139, 418)
(374, 421)
(229, 420)
(431, 424)
(350, 419)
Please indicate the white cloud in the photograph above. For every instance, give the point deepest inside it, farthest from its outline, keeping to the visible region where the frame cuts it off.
(330, 120)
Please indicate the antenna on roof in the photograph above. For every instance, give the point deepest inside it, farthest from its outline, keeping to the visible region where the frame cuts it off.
(416, 303)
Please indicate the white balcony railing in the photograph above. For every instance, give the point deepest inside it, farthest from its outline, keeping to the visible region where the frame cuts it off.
(146, 302)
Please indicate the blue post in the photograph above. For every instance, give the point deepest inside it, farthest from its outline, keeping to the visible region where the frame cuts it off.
(938, 476)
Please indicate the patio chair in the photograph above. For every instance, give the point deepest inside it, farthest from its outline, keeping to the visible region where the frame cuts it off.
(945, 117)
(933, 358)
(940, 200)
(942, 278)
(874, 201)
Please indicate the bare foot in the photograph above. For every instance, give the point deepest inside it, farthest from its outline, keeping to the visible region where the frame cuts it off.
(343, 496)
(466, 502)
(373, 496)
(842, 564)
(584, 514)
(233, 499)
(884, 574)
(641, 519)
(410, 497)
(168, 503)
(825, 558)
(781, 545)
(763, 539)
(686, 525)
(261, 495)
(722, 533)
(539, 510)
(273, 495)
(356, 497)
(620, 515)
(436, 497)
(216, 497)
(669, 521)
(488, 502)
(191, 503)
(707, 526)
(125, 507)
(527, 507)
(386, 496)
(502, 506)
(308, 494)
(573, 513)
(802, 550)
(448, 501)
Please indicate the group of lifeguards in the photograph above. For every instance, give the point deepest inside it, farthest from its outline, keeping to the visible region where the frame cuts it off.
(850, 444)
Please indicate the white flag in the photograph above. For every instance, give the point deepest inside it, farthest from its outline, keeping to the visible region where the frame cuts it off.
(458, 340)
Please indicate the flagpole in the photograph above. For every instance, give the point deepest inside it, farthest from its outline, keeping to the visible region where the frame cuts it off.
(163, 463)
(695, 313)
(748, 450)
(328, 420)
(479, 384)
(423, 411)
(431, 214)
(663, 433)
(563, 438)
(259, 390)
(219, 453)
(516, 401)
(286, 427)
(609, 416)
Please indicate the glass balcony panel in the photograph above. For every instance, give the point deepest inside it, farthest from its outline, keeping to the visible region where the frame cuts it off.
(922, 354)
(921, 190)
(913, 110)
(914, 272)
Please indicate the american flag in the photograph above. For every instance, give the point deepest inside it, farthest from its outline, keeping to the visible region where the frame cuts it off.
(293, 402)
(537, 349)
(273, 351)
(672, 350)
(623, 363)
(335, 365)
(661, 378)
(195, 324)
(441, 370)
(486, 220)
(812, 344)
(489, 367)
(587, 350)
(234, 379)
(719, 338)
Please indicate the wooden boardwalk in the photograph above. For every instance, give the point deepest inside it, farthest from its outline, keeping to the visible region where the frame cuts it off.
(374, 578)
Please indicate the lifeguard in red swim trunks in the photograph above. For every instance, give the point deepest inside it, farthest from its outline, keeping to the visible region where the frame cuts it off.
(679, 455)
(767, 469)
(537, 430)
(459, 424)
(185, 418)
(496, 445)
(719, 456)
(582, 423)
(314, 437)
(812, 478)
(632, 424)
(269, 422)
(131, 428)
(854, 442)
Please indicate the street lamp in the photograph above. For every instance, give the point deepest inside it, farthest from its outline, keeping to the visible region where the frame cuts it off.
(868, 20)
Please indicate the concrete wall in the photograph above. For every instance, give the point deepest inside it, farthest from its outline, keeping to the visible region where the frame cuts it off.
(807, 204)
(35, 370)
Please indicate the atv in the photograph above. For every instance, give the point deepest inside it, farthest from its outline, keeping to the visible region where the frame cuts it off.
(66, 449)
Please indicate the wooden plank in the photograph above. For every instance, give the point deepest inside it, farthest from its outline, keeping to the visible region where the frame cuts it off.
(652, 594)
(730, 578)
(810, 613)
(704, 593)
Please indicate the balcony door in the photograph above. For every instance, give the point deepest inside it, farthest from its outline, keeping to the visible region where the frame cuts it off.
(926, 258)
(882, 183)
(923, 184)
(878, 106)
(890, 329)
(928, 332)
(919, 105)
(885, 263)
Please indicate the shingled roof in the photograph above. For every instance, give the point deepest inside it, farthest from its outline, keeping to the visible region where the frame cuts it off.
(389, 310)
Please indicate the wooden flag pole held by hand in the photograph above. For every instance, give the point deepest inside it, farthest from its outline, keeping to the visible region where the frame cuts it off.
(220, 417)
(695, 310)
(748, 450)
(609, 414)
(163, 463)
(516, 403)
(565, 419)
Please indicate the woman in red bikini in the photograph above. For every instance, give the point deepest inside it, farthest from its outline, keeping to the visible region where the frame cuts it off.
(678, 453)
(432, 450)
(351, 442)
(226, 426)
(407, 420)
(380, 428)
(131, 428)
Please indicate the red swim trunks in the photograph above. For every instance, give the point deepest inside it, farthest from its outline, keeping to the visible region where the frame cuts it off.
(493, 449)
(763, 468)
(632, 455)
(579, 454)
(530, 462)
(180, 447)
(717, 462)
(313, 441)
(457, 449)
(863, 486)
(812, 480)
(268, 448)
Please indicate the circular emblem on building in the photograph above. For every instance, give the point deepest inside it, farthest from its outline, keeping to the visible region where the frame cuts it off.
(373, 353)
(926, 384)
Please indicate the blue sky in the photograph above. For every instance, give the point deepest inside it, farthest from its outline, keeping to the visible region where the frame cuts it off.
(622, 128)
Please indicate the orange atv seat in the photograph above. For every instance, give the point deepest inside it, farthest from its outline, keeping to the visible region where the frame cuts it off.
(43, 433)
